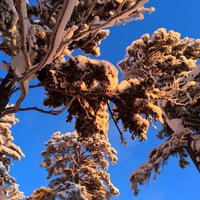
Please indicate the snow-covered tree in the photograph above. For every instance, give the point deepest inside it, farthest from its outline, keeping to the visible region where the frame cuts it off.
(8, 151)
(161, 83)
(170, 65)
(78, 166)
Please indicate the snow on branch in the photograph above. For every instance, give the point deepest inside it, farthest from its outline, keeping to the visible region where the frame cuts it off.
(63, 33)
(168, 64)
(8, 150)
(158, 158)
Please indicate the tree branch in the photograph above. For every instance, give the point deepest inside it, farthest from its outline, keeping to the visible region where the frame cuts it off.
(109, 23)
(120, 132)
(56, 37)
(23, 29)
(30, 87)
(55, 48)
(51, 112)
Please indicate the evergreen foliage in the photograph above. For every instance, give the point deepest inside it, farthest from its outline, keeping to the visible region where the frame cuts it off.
(161, 84)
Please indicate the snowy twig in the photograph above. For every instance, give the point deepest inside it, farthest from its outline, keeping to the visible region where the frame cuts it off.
(8, 111)
(120, 6)
(157, 158)
(22, 56)
(91, 7)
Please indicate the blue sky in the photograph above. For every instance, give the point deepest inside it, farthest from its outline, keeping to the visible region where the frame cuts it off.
(34, 129)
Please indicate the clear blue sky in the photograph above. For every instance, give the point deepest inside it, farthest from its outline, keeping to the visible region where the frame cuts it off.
(34, 129)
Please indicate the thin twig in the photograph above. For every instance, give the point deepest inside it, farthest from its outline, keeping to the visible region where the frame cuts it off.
(91, 7)
(109, 23)
(120, 132)
(30, 87)
(8, 111)
(51, 112)
(120, 6)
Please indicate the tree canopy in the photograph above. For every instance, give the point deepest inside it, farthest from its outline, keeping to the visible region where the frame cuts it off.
(161, 81)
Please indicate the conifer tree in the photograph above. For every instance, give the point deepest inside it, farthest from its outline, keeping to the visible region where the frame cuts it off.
(161, 84)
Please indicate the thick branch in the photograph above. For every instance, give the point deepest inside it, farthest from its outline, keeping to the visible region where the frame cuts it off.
(56, 37)
(23, 29)
(56, 48)
(109, 23)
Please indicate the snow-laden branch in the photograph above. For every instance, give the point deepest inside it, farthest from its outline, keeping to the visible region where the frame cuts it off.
(158, 157)
(56, 45)
(109, 23)
(57, 34)
(56, 37)
(21, 62)
(23, 30)
(8, 150)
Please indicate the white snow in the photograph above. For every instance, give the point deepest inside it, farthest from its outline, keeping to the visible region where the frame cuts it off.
(195, 72)
(195, 144)
(70, 32)
(189, 84)
(111, 73)
(97, 21)
(5, 66)
(18, 64)
(175, 124)
(164, 102)
(58, 30)
(123, 86)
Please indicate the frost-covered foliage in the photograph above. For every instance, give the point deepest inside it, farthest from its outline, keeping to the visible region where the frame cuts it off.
(135, 106)
(77, 166)
(161, 84)
(40, 40)
(169, 63)
(8, 152)
(37, 35)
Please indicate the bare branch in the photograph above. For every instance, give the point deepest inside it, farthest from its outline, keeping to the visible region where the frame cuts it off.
(30, 87)
(22, 96)
(120, 132)
(51, 112)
